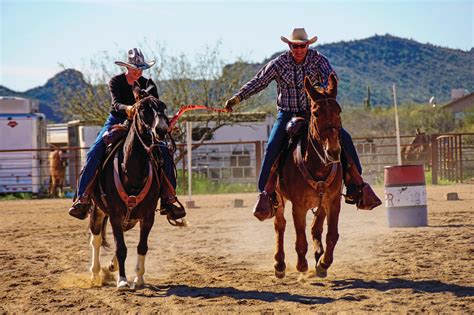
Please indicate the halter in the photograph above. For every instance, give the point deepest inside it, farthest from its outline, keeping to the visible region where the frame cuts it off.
(324, 159)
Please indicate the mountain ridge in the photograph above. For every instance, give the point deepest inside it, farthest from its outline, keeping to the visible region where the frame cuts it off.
(419, 71)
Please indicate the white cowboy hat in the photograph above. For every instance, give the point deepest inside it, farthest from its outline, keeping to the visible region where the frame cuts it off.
(299, 35)
(136, 60)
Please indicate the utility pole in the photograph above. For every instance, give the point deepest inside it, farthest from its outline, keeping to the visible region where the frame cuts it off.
(397, 128)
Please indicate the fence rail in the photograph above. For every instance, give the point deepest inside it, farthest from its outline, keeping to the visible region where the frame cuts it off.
(449, 156)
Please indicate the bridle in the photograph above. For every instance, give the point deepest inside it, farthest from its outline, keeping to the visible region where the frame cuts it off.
(322, 156)
(155, 142)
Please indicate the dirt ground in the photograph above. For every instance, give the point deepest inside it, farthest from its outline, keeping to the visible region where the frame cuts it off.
(223, 262)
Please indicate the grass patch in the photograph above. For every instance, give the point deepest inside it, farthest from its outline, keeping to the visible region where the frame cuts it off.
(16, 196)
(441, 181)
(202, 186)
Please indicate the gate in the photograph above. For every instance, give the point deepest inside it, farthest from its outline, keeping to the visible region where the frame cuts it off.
(446, 157)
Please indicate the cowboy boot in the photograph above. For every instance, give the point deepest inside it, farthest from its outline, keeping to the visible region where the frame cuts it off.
(80, 208)
(267, 201)
(359, 192)
(266, 206)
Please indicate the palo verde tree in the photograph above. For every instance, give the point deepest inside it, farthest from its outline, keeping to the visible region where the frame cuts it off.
(203, 79)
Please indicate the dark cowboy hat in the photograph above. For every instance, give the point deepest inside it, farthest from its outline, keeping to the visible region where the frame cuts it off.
(136, 60)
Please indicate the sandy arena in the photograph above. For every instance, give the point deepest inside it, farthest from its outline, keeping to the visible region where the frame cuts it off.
(224, 262)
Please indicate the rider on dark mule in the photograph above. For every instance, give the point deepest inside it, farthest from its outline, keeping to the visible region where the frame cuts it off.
(289, 70)
(121, 91)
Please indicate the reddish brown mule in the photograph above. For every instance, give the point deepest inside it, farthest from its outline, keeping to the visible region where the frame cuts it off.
(57, 172)
(312, 178)
(128, 189)
(417, 151)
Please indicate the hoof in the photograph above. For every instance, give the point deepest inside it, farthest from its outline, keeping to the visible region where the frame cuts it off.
(280, 270)
(138, 283)
(179, 222)
(321, 271)
(122, 284)
(96, 279)
(302, 267)
(280, 274)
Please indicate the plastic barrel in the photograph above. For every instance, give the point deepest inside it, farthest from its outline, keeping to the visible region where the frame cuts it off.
(405, 196)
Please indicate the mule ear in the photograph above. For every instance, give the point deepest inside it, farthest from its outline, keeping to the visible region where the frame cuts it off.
(332, 85)
(308, 86)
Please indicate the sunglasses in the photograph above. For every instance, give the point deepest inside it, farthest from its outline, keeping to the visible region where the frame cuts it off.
(300, 46)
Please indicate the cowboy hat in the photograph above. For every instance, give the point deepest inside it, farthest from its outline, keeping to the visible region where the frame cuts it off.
(299, 35)
(136, 60)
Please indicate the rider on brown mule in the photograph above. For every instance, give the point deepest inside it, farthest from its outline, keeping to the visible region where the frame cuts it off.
(122, 108)
(289, 70)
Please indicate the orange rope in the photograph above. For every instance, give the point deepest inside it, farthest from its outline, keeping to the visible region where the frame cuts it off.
(186, 108)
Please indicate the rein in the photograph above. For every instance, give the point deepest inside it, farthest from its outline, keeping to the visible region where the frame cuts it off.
(319, 185)
(324, 159)
(132, 201)
(186, 108)
(154, 142)
(137, 119)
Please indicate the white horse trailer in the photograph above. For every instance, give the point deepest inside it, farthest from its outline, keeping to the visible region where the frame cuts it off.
(22, 128)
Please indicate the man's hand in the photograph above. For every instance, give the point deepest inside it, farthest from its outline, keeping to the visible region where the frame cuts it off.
(231, 102)
(130, 110)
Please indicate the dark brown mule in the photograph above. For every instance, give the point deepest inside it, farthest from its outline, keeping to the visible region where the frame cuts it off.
(129, 188)
(57, 172)
(312, 178)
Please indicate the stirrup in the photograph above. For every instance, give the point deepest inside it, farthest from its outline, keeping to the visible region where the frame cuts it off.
(80, 209)
(178, 219)
(266, 206)
(173, 211)
(363, 197)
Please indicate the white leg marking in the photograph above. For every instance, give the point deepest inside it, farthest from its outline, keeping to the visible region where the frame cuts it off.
(96, 241)
(122, 283)
(140, 270)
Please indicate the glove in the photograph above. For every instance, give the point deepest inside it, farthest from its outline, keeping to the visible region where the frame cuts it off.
(231, 102)
(130, 110)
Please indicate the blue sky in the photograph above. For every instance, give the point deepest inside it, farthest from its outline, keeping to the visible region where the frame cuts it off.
(37, 36)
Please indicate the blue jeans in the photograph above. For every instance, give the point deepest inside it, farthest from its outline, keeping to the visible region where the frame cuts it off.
(278, 141)
(349, 148)
(97, 151)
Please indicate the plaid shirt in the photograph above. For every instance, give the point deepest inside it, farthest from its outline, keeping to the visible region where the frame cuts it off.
(290, 79)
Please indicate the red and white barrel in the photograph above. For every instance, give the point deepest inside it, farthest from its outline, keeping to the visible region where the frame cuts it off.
(405, 196)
